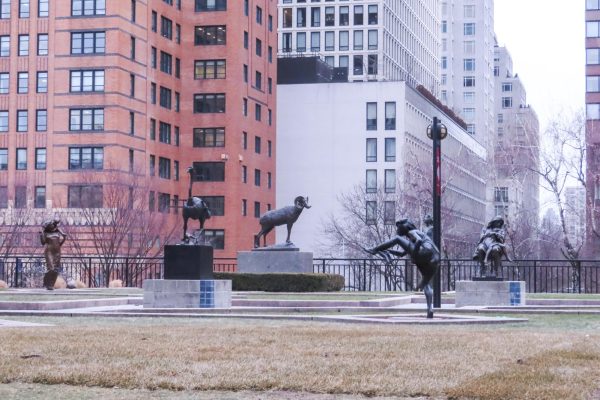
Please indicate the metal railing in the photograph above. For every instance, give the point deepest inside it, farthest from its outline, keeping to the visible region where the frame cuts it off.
(540, 276)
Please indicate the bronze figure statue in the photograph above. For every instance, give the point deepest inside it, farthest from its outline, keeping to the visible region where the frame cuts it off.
(422, 251)
(428, 221)
(491, 247)
(194, 208)
(286, 215)
(53, 237)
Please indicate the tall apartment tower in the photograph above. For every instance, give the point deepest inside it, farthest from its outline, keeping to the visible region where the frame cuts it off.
(592, 100)
(371, 39)
(467, 56)
(516, 148)
(140, 90)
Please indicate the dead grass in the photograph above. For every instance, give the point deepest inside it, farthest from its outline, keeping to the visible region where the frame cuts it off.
(235, 355)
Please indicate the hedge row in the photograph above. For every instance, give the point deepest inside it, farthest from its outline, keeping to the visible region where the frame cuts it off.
(283, 282)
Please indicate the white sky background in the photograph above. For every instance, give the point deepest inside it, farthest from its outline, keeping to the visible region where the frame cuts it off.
(546, 39)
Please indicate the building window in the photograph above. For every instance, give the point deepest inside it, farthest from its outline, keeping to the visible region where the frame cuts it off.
(209, 171)
(389, 213)
(371, 116)
(4, 46)
(164, 168)
(468, 81)
(469, 64)
(211, 5)
(164, 132)
(86, 158)
(43, 8)
(371, 181)
(329, 16)
(210, 69)
(21, 159)
(301, 42)
(506, 102)
(244, 207)
(152, 164)
(20, 196)
(154, 21)
(390, 149)
(358, 15)
(390, 115)
(87, 81)
(209, 103)
(329, 41)
(258, 80)
(42, 44)
(471, 129)
(592, 56)
(286, 42)
(23, 82)
(151, 201)
(344, 40)
(301, 17)
(3, 159)
(216, 238)
(165, 97)
(469, 29)
(592, 29)
(593, 84)
(258, 47)
(501, 194)
(23, 8)
(259, 15)
(40, 197)
(23, 45)
(42, 82)
(468, 113)
(4, 9)
(166, 62)
(358, 40)
(22, 116)
(166, 28)
(315, 41)
(209, 137)
(132, 51)
(40, 158)
(164, 202)
(4, 82)
(41, 120)
(244, 174)
(592, 5)
(153, 57)
(256, 209)
(506, 87)
(257, 177)
(371, 213)
(373, 40)
(593, 111)
(86, 119)
(469, 97)
(4, 121)
(371, 150)
(85, 196)
(210, 35)
(358, 65)
(176, 170)
(257, 112)
(88, 7)
(216, 205)
(88, 42)
(390, 180)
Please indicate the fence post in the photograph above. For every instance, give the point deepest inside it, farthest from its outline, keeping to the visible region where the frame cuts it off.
(579, 275)
(534, 276)
(16, 270)
(126, 272)
(364, 275)
(89, 272)
(323, 265)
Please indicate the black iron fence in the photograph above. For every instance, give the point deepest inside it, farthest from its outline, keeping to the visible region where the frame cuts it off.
(540, 276)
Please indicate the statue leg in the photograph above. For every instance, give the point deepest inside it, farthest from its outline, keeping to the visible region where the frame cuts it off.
(428, 290)
(185, 221)
(257, 239)
(289, 229)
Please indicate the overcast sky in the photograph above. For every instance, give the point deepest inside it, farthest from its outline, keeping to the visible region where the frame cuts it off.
(546, 39)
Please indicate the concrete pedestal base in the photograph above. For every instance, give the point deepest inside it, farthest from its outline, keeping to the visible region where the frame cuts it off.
(186, 262)
(490, 293)
(167, 293)
(261, 262)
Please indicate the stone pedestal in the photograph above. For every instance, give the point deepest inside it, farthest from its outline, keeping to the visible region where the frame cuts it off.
(490, 293)
(159, 293)
(275, 260)
(188, 262)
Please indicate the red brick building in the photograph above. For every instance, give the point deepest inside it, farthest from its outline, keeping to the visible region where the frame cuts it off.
(140, 89)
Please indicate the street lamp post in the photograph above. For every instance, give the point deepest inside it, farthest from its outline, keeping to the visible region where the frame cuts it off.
(437, 132)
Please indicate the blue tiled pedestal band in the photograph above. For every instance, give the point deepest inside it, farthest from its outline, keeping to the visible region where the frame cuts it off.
(171, 293)
(490, 293)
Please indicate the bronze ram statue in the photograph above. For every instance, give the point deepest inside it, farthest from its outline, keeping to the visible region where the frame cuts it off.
(286, 215)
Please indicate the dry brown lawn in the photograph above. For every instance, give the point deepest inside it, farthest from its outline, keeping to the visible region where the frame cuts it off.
(499, 362)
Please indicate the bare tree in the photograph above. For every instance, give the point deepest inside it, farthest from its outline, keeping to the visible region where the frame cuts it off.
(117, 219)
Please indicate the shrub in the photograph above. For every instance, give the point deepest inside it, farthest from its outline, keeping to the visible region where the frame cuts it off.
(283, 282)
(3, 285)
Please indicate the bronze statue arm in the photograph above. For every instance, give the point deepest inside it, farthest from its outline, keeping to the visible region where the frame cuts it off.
(64, 236)
(42, 237)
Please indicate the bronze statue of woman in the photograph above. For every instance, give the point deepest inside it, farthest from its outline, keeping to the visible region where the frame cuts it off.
(53, 237)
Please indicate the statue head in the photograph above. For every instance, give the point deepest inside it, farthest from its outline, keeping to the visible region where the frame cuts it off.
(51, 225)
(428, 220)
(301, 202)
(404, 226)
(496, 222)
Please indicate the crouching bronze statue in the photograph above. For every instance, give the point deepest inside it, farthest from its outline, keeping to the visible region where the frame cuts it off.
(491, 248)
(422, 251)
(53, 237)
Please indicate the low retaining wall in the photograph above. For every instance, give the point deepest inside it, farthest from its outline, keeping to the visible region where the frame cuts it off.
(171, 293)
(490, 293)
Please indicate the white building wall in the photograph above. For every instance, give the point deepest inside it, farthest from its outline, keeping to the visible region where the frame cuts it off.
(321, 149)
